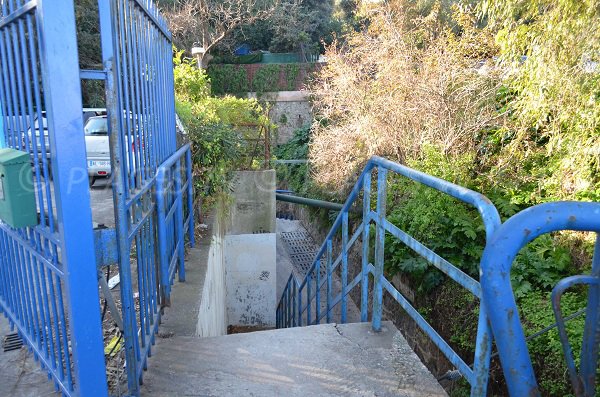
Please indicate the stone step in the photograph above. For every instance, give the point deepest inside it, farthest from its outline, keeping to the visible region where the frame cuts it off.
(320, 360)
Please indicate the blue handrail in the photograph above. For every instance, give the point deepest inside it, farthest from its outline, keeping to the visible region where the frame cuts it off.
(496, 264)
(292, 312)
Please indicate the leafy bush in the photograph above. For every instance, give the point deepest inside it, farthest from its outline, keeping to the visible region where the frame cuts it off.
(217, 127)
(295, 175)
(546, 349)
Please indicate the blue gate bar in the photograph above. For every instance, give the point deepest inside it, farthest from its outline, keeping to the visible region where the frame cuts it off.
(60, 73)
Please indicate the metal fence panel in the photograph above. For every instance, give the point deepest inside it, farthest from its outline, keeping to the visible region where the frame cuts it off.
(48, 286)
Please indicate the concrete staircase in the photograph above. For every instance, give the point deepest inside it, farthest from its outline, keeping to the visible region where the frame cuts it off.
(320, 360)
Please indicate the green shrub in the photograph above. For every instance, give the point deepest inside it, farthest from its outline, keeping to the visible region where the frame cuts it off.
(217, 126)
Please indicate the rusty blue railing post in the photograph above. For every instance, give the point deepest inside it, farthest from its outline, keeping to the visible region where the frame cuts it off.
(309, 298)
(344, 266)
(299, 306)
(379, 247)
(318, 292)
(179, 221)
(364, 296)
(329, 280)
(591, 336)
(190, 196)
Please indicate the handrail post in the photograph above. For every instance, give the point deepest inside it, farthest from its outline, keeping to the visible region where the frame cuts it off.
(344, 266)
(294, 294)
(590, 348)
(299, 307)
(190, 195)
(179, 221)
(318, 292)
(364, 299)
(329, 280)
(308, 299)
(379, 247)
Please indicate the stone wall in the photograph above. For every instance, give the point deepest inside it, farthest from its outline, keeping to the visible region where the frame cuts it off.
(290, 110)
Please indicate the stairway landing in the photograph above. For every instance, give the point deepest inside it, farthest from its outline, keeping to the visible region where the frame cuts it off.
(320, 360)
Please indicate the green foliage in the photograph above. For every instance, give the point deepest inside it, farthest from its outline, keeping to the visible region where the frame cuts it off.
(233, 79)
(216, 151)
(217, 127)
(546, 350)
(550, 48)
(191, 83)
(450, 228)
(295, 175)
(301, 25)
(540, 266)
(266, 79)
(291, 72)
(90, 52)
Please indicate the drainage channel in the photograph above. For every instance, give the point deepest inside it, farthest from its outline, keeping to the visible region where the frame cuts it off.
(302, 249)
(12, 342)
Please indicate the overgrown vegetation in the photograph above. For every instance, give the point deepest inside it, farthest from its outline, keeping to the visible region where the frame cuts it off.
(490, 98)
(222, 130)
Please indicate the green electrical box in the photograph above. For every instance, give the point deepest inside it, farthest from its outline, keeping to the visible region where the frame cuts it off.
(17, 195)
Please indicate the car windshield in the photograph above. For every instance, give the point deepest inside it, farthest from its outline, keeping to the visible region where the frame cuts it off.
(96, 126)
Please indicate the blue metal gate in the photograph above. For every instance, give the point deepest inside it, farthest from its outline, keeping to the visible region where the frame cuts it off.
(48, 285)
(152, 185)
(48, 273)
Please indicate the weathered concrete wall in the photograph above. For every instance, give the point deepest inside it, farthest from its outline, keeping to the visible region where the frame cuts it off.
(250, 260)
(212, 312)
(253, 206)
(290, 110)
(250, 250)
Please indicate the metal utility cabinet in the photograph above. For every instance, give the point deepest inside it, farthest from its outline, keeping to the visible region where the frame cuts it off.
(17, 198)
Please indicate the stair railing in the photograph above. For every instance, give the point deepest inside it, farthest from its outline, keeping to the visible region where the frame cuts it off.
(292, 311)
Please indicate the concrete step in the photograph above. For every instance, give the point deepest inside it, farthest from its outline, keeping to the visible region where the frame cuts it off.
(320, 360)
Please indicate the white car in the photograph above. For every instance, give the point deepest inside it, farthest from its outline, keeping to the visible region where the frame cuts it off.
(97, 148)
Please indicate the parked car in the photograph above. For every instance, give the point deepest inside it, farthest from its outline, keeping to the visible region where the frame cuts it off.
(91, 112)
(97, 148)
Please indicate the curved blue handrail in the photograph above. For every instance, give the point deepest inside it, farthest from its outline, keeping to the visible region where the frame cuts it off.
(498, 296)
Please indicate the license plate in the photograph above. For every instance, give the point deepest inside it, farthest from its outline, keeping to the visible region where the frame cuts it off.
(97, 163)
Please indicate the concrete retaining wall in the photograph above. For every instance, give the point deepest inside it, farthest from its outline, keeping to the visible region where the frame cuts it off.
(212, 313)
(253, 206)
(250, 250)
(250, 260)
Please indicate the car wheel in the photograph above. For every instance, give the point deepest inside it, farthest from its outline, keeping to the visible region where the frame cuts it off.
(92, 179)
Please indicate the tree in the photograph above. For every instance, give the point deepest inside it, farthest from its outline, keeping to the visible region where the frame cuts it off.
(210, 22)
(300, 25)
(90, 52)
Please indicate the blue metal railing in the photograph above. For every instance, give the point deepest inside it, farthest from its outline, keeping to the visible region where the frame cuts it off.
(174, 198)
(496, 264)
(503, 242)
(296, 305)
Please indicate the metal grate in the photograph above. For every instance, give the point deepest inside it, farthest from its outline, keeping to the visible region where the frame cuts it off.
(302, 250)
(12, 342)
